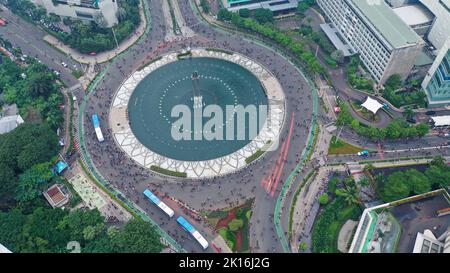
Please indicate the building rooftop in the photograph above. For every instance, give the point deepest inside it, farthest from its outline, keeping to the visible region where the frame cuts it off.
(414, 15)
(56, 196)
(392, 227)
(7, 124)
(396, 32)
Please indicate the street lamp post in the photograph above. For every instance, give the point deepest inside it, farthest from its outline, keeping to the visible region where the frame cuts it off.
(115, 39)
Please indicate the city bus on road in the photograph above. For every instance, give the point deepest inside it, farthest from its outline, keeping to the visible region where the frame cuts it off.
(98, 130)
(155, 200)
(189, 228)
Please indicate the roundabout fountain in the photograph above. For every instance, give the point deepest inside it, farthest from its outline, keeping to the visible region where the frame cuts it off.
(209, 87)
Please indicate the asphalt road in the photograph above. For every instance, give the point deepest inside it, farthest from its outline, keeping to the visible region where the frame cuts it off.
(30, 40)
(215, 193)
(209, 194)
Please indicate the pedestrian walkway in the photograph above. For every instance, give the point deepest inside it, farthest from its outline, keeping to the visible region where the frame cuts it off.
(306, 203)
(93, 197)
(104, 56)
(221, 245)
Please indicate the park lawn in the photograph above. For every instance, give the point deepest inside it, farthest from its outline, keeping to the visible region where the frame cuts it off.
(237, 240)
(341, 147)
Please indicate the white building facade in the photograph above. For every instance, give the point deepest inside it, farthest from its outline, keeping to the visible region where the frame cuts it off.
(86, 10)
(385, 44)
(440, 29)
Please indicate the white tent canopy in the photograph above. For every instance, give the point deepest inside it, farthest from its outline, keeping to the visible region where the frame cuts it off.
(372, 105)
(441, 121)
(3, 249)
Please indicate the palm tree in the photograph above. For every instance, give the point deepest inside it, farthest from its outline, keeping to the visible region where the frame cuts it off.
(369, 168)
(350, 195)
(364, 181)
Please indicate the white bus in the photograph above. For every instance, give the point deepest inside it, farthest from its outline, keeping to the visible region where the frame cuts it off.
(159, 203)
(98, 130)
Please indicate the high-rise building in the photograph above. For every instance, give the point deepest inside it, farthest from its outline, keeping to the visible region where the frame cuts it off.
(437, 82)
(370, 28)
(431, 18)
(88, 10)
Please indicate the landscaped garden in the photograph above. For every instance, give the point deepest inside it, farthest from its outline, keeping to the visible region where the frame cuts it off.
(400, 94)
(355, 76)
(396, 129)
(233, 225)
(363, 112)
(342, 203)
(340, 147)
(412, 181)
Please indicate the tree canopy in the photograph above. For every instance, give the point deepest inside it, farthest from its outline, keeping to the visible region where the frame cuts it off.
(402, 184)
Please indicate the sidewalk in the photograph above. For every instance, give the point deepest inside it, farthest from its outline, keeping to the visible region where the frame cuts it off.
(104, 56)
(306, 204)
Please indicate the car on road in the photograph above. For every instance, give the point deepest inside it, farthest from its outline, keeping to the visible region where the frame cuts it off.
(64, 64)
(3, 22)
(363, 153)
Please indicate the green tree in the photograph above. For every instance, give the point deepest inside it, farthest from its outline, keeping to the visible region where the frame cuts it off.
(245, 13)
(205, 6)
(76, 221)
(303, 246)
(350, 194)
(8, 184)
(338, 56)
(422, 129)
(40, 233)
(32, 182)
(302, 7)
(323, 199)
(263, 16)
(364, 181)
(235, 224)
(396, 187)
(438, 175)
(417, 181)
(224, 15)
(11, 228)
(408, 113)
(137, 237)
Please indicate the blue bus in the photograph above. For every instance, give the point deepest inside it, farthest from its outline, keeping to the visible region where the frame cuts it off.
(189, 228)
(155, 200)
(98, 130)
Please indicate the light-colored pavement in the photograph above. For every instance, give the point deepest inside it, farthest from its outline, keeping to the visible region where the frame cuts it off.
(345, 235)
(306, 203)
(93, 196)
